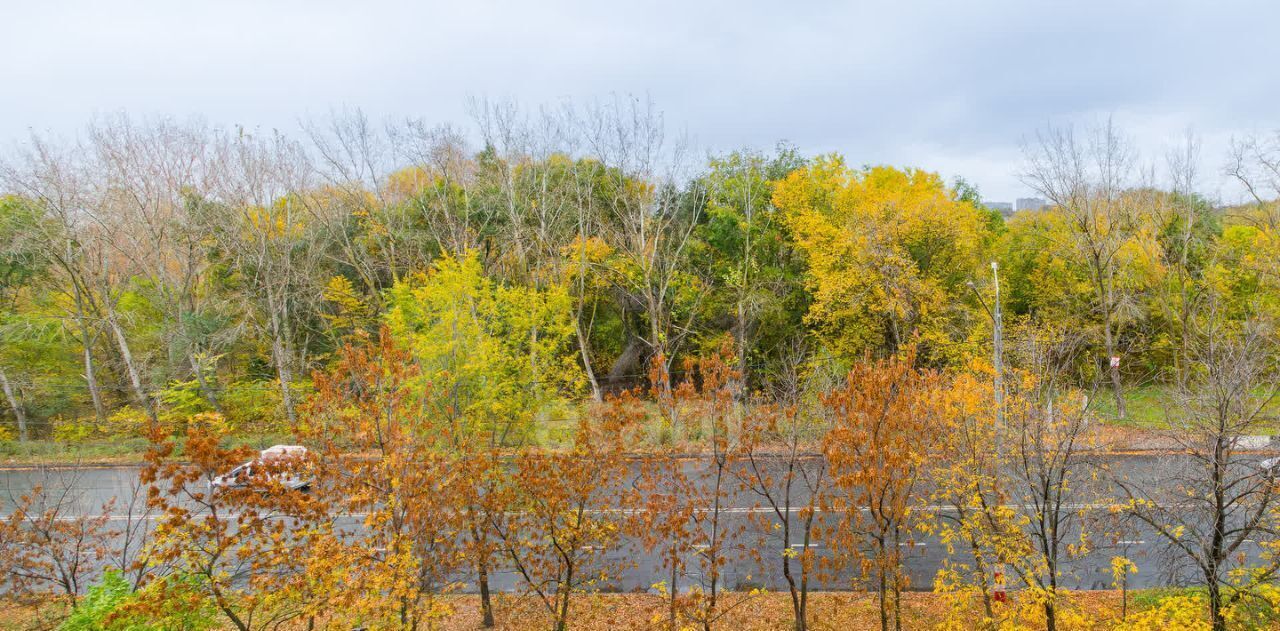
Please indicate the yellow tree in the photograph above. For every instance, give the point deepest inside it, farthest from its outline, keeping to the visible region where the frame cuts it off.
(1046, 440)
(889, 252)
(1009, 495)
(979, 534)
(500, 363)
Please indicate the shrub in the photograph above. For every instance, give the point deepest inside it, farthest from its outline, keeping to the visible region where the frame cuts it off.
(167, 604)
(1186, 612)
(75, 430)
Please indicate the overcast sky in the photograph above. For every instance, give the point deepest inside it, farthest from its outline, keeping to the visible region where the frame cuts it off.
(950, 86)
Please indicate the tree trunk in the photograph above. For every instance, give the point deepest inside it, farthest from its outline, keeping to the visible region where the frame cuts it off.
(135, 378)
(1217, 553)
(1215, 606)
(715, 546)
(896, 585)
(280, 354)
(584, 341)
(980, 564)
(486, 601)
(86, 341)
(91, 378)
(18, 412)
(743, 325)
(562, 619)
(1124, 599)
(585, 348)
(672, 612)
(628, 364)
(802, 614)
(1110, 343)
(791, 582)
(740, 389)
(658, 338)
(797, 597)
(882, 591)
(1051, 561)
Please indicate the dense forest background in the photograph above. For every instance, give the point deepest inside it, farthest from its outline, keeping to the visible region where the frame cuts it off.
(151, 270)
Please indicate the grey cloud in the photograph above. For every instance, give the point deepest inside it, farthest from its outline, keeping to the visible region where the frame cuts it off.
(944, 85)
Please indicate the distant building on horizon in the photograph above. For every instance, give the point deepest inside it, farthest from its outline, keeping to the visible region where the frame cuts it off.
(1005, 208)
(1030, 203)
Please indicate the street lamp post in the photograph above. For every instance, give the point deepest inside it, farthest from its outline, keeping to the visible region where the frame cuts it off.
(997, 359)
(997, 354)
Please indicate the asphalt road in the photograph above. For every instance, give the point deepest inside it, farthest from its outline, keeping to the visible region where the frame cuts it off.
(94, 487)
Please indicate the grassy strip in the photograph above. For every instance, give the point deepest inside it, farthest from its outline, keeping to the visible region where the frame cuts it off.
(1151, 407)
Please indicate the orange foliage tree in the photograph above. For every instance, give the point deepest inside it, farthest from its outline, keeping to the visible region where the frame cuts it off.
(384, 457)
(246, 546)
(687, 499)
(570, 509)
(789, 481)
(886, 420)
(664, 521)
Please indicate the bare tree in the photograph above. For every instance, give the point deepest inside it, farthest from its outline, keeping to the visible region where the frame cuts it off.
(261, 222)
(1255, 163)
(782, 468)
(650, 219)
(528, 159)
(1091, 181)
(55, 178)
(1185, 223)
(443, 195)
(354, 159)
(1045, 471)
(132, 553)
(153, 173)
(52, 538)
(1217, 506)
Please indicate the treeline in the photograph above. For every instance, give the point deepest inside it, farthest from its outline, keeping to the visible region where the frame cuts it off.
(151, 270)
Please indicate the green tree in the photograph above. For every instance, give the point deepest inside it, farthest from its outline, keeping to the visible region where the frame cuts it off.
(744, 250)
(20, 260)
